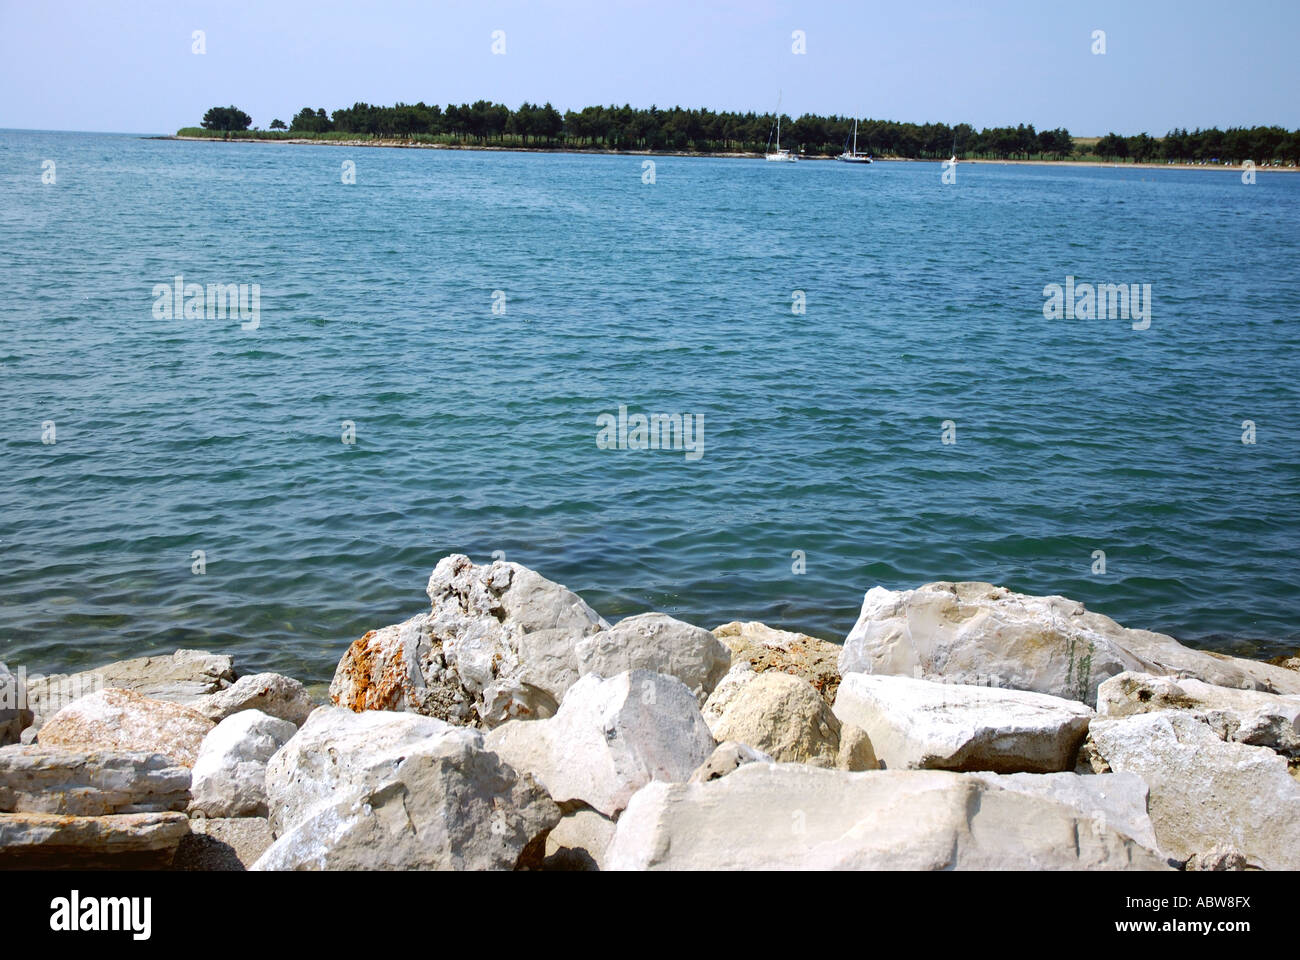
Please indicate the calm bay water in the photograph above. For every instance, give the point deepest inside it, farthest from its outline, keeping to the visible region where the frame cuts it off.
(476, 432)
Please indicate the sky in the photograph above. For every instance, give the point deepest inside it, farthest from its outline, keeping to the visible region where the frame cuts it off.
(115, 65)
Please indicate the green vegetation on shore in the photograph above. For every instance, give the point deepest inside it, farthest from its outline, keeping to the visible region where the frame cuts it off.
(705, 131)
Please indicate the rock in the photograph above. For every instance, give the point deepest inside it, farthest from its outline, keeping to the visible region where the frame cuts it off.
(1118, 800)
(14, 715)
(980, 634)
(1246, 716)
(186, 677)
(609, 738)
(230, 772)
(498, 645)
(226, 844)
(657, 643)
(725, 692)
(380, 790)
(856, 751)
(89, 783)
(798, 654)
(918, 724)
(123, 841)
(727, 757)
(798, 817)
(271, 693)
(578, 841)
(784, 717)
(1205, 792)
(1218, 859)
(122, 721)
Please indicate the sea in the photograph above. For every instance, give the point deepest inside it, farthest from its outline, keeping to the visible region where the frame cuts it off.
(719, 388)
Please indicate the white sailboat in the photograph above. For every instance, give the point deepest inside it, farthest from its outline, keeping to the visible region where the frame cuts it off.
(779, 155)
(854, 156)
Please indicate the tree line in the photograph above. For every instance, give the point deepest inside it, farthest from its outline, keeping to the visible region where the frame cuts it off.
(708, 131)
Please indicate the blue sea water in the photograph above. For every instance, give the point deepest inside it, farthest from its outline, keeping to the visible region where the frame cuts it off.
(476, 432)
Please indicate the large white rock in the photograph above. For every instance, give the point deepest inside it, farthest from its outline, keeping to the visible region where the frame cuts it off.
(1118, 800)
(980, 634)
(798, 817)
(1246, 716)
(1207, 793)
(660, 644)
(270, 693)
(230, 772)
(89, 783)
(497, 645)
(381, 790)
(123, 721)
(609, 738)
(919, 724)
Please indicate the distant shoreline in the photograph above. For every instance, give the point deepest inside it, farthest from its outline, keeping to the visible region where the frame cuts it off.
(729, 155)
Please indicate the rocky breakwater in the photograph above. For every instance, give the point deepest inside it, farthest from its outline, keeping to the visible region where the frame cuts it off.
(510, 726)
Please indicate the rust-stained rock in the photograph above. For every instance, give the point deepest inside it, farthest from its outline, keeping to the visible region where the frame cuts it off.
(798, 654)
(497, 644)
(124, 721)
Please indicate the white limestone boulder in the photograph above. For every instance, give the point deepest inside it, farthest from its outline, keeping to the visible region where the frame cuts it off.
(230, 771)
(270, 693)
(980, 634)
(660, 644)
(1245, 716)
(919, 724)
(1207, 793)
(609, 738)
(797, 817)
(382, 790)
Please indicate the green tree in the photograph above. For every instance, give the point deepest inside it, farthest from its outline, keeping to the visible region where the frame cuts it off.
(226, 119)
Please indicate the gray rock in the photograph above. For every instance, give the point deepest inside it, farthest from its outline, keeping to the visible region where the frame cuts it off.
(230, 772)
(984, 635)
(796, 817)
(919, 724)
(186, 677)
(497, 645)
(1207, 793)
(578, 841)
(123, 841)
(660, 644)
(1245, 716)
(381, 790)
(609, 738)
(222, 844)
(87, 783)
(270, 693)
(15, 717)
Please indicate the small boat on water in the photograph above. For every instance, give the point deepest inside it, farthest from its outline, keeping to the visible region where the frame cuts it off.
(853, 156)
(778, 155)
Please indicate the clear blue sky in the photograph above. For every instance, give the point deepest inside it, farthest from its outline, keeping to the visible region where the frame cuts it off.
(127, 66)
